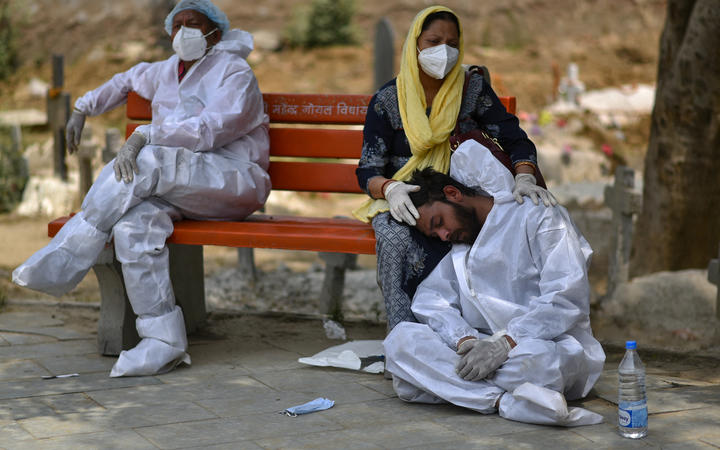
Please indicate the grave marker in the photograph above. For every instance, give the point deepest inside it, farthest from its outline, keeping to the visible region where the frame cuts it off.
(85, 153)
(113, 142)
(714, 278)
(58, 113)
(624, 203)
(384, 52)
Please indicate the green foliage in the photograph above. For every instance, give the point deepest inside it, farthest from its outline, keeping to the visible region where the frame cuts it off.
(8, 41)
(13, 172)
(325, 23)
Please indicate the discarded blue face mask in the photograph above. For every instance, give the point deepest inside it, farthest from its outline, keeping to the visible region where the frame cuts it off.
(318, 404)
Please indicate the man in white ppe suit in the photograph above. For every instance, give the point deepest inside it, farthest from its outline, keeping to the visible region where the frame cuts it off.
(204, 156)
(504, 317)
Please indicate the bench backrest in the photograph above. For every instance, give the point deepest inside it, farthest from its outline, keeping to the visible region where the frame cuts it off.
(306, 154)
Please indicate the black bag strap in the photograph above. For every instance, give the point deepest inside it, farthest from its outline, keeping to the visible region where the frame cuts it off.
(482, 70)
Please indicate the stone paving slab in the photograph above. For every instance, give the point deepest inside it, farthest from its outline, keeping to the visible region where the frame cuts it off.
(87, 363)
(21, 368)
(253, 403)
(11, 338)
(24, 320)
(391, 410)
(162, 393)
(319, 441)
(470, 423)
(664, 394)
(560, 439)
(120, 440)
(231, 396)
(204, 370)
(409, 434)
(220, 431)
(342, 393)
(83, 383)
(23, 408)
(115, 419)
(11, 432)
(59, 332)
(244, 445)
(683, 426)
(711, 439)
(71, 403)
(49, 349)
(380, 385)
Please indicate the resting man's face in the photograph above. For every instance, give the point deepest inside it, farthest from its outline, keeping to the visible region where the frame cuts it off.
(449, 222)
(194, 19)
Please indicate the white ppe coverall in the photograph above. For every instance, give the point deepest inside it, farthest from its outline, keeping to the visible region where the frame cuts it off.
(526, 273)
(206, 157)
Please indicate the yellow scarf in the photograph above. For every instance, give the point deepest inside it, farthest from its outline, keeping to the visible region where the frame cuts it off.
(428, 136)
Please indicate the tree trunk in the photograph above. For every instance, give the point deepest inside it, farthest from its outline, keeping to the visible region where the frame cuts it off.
(679, 226)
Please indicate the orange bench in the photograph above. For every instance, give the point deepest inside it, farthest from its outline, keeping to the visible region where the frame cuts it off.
(309, 158)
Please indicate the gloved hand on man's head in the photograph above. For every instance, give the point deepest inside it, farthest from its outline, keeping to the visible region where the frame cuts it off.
(401, 207)
(526, 184)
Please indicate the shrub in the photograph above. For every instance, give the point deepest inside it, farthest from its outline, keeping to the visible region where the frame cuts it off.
(325, 23)
(13, 172)
(8, 41)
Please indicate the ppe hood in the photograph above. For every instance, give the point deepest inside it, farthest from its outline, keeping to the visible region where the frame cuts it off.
(235, 41)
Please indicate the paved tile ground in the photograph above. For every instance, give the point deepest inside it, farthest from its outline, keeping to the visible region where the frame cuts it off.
(245, 371)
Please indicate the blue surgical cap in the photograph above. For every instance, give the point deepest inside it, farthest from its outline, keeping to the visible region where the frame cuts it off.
(205, 7)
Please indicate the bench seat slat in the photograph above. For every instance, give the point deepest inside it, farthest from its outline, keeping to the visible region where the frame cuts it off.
(316, 143)
(339, 235)
(307, 142)
(317, 108)
(314, 177)
(300, 108)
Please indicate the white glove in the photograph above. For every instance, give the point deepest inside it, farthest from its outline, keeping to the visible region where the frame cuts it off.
(481, 357)
(525, 184)
(125, 163)
(401, 207)
(73, 130)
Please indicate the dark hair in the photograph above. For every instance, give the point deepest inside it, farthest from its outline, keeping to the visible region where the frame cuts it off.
(440, 15)
(431, 184)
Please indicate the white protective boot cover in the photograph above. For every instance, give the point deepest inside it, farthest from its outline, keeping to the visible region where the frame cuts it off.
(530, 403)
(162, 348)
(409, 393)
(59, 266)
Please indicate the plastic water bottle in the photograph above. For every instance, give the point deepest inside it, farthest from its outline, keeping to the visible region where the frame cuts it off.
(632, 401)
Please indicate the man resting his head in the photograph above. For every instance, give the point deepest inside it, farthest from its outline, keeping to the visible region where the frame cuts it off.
(504, 317)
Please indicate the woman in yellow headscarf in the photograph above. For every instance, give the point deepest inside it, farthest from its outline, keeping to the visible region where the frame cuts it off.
(408, 125)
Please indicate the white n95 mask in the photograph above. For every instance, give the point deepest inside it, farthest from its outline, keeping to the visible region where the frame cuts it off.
(190, 44)
(438, 61)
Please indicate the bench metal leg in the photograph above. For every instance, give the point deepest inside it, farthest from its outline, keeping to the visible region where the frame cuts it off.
(246, 263)
(334, 282)
(116, 327)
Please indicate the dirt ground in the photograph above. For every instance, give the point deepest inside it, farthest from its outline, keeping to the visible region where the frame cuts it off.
(523, 43)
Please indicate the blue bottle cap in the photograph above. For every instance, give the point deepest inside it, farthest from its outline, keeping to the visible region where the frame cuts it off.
(630, 345)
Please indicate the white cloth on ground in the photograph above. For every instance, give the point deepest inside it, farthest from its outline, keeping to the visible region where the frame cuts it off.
(206, 158)
(526, 272)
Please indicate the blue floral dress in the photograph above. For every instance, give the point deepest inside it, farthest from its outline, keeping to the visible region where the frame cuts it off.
(406, 256)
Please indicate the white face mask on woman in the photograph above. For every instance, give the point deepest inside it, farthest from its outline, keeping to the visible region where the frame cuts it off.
(190, 44)
(439, 60)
